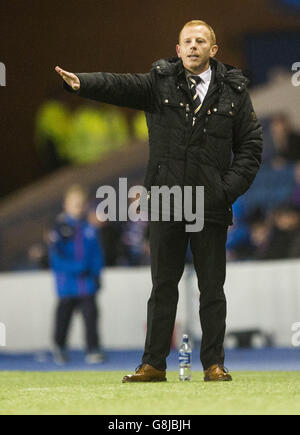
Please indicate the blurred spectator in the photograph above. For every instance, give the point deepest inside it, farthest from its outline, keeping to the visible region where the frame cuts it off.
(259, 240)
(296, 192)
(286, 141)
(140, 127)
(101, 131)
(77, 261)
(284, 231)
(59, 134)
(268, 150)
(111, 233)
(52, 129)
(111, 241)
(238, 242)
(274, 185)
(295, 247)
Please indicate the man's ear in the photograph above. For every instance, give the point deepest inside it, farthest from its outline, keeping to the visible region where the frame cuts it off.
(178, 50)
(214, 50)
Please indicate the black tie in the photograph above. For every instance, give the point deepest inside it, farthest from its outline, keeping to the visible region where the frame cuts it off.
(194, 81)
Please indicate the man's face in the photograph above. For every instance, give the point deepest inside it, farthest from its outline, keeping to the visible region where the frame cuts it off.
(195, 48)
(75, 204)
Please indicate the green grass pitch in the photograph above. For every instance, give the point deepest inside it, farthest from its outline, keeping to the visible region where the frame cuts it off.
(103, 393)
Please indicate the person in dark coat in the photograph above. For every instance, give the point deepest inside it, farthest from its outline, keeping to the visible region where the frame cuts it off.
(199, 114)
(76, 259)
(286, 141)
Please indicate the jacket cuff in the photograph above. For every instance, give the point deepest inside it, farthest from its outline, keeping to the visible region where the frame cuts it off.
(70, 89)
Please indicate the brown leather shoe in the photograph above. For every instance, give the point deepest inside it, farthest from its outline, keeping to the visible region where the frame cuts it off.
(146, 373)
(216, 372)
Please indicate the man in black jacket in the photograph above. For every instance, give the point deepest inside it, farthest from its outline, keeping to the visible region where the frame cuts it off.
(203, 131)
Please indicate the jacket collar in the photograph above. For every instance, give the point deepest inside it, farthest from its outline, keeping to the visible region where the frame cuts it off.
(72, 221)
(221, 72)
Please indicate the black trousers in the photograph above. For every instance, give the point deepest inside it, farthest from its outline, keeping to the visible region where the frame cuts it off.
(64, 311)
(168, 244)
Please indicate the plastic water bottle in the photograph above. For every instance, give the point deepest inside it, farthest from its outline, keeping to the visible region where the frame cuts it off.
(185, 360)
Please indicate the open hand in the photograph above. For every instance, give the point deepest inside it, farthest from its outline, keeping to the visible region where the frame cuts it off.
(70, 78)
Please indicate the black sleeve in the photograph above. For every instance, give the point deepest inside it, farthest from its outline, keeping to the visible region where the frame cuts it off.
(247, 149)
(128, 90)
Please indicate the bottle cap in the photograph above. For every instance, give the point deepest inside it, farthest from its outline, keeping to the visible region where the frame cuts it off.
(185, 338)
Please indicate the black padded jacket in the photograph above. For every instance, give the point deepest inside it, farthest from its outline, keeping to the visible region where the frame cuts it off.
(221, 149)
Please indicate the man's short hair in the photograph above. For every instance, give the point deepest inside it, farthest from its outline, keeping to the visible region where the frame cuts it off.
(201, 23)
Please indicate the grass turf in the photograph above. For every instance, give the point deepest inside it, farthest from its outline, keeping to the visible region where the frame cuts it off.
(103, 393)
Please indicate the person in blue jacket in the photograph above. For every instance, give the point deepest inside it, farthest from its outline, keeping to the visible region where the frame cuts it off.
(76, 259)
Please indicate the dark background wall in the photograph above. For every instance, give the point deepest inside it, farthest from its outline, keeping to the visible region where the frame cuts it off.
(101, 35)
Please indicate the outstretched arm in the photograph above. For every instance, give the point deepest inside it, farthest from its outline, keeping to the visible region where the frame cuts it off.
(127, 90)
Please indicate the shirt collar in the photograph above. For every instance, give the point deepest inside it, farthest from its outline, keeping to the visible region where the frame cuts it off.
(205, 76)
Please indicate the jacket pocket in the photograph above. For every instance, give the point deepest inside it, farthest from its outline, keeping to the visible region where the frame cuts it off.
(172, 112)
(220, 123)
